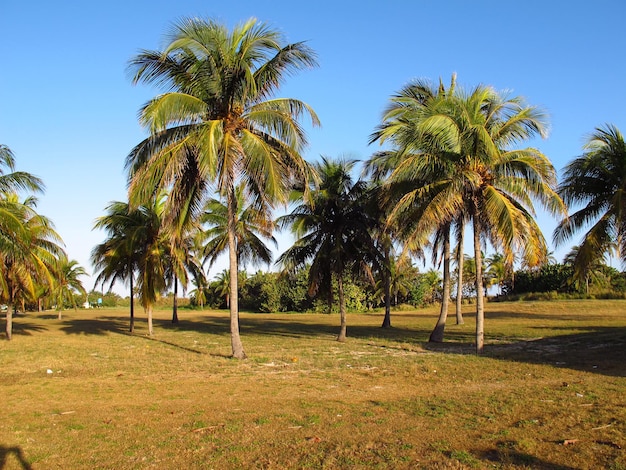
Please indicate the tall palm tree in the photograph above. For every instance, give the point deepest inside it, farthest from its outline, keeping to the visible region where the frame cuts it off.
(29, 244)
(461, 147)
(218, 122)
(135, 243)
(333, 230)
(407, 123)
(28, 255)
(596, 182)
(253, 225)
(116, 258)
(68, 282)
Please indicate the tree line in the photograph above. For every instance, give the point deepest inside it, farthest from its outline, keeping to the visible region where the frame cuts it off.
(224, 152)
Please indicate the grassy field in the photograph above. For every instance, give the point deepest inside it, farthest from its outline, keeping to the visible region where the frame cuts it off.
(549, 392)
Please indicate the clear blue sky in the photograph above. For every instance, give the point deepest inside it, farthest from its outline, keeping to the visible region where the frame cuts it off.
(68, 110)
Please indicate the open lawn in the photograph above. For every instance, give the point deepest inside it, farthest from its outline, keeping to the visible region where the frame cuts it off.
(549, 392)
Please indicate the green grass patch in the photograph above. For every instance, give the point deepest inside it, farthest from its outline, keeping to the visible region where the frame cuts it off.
(547, 393)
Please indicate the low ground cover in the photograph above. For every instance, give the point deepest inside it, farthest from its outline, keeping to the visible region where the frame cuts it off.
(548, 392)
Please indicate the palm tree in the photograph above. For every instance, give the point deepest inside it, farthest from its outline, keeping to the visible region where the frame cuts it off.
(417, 105)
(135, 243)
(68, 282)
(459, 258)
(458, 150)
(218, 122)
(252, 226)
(29, 245)
(333, 230)
(14, 181)
(28, 255)
(117, 258)
(596, 181)
(498, 270)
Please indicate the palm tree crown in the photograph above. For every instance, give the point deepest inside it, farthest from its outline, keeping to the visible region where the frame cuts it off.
(219, 122)
(596, 182)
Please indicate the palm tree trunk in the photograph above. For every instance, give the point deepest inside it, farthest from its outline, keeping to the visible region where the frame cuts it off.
(235, 339)
(149, 312)
(342, 310)
(132, 305)
(9, 325)
(437, 334)
(175, 306)
(387, 282)
(480, 309)
(459, 286)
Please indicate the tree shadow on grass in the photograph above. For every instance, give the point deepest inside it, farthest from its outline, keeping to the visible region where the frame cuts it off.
(506, 454)
(600, 350)
(94, 326)
(291, 328)
(13, 453)
(25, 328)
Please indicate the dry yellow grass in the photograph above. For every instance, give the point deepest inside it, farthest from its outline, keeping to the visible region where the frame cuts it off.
(549, 392)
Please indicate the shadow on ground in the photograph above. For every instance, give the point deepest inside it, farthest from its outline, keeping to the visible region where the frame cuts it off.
(10, 454)
(25, 328)
(506, 454)
(594, 349)
(601, 350)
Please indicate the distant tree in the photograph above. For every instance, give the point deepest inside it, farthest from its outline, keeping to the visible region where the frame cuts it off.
(333, 233)
(135, 242)
(253, 228)
(68, 273)
(117, 258)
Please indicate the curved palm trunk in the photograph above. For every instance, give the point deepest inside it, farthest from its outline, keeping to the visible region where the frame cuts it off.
(342, 310)
(235, 339)
(175, 306)
(387, 282)
(149, 312)
(480, 308)
(459, 286)
(132, 305)
(437, 334)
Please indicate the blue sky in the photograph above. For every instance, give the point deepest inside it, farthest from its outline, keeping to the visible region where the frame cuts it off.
(68, 110)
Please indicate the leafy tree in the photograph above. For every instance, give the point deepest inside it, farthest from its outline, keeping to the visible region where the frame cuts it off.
(333, 233)
(117, 258)
(29, 246)
(498, 270)
(253, 225)
(596, 181)
(461, 147)
(262, 293)
(218, 122)
(403, 125)
(135, 242)
(68, 282)
(28, 255)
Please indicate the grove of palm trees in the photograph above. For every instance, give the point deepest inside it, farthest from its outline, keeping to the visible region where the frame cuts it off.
(224, 154)
(443, 212)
